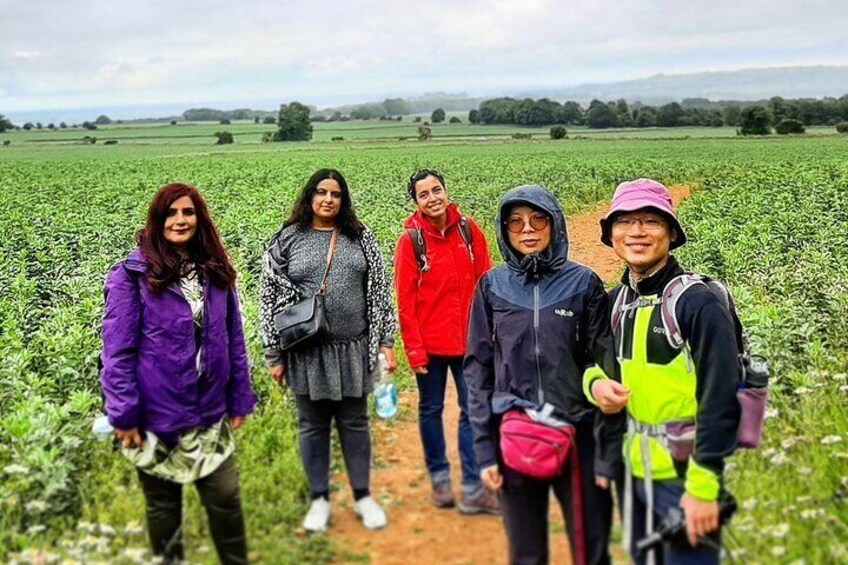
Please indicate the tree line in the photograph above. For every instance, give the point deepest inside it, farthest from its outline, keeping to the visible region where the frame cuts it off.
(689, 112)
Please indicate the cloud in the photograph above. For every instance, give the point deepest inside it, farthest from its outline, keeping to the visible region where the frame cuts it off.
(26, 55)
(54, 51)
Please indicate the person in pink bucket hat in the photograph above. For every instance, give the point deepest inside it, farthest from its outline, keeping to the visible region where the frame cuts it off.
(667, 386)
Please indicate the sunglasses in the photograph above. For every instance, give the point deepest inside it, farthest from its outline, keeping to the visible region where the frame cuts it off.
(537, 222)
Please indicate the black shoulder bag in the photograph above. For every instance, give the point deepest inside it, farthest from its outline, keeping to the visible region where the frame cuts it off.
(304, 324)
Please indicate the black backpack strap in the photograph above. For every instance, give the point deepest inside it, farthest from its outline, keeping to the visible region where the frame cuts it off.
(419, 248)
(467, 236)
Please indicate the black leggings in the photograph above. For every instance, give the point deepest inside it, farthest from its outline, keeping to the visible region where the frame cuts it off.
(219, 494)
(525, 503)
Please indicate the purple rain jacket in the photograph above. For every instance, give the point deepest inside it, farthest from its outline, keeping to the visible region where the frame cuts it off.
(149, 374)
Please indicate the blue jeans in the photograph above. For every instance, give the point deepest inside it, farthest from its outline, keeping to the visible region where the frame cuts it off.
(667, 494)
(431, 405)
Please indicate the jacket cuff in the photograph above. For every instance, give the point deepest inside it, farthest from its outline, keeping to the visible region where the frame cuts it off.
(417, 358)
(702, 483)
(591, 375)
(241, 407)
(273, 356)
(125, 421)
(485, 453)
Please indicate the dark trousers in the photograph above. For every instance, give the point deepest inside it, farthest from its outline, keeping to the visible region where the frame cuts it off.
(431, 407)
(314, 420)
(667, 494)
(525, 510)
(219, 494)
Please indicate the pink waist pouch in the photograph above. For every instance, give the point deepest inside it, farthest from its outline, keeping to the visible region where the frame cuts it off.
(532, 448)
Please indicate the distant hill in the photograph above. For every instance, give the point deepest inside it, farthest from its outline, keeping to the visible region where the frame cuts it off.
(746, 84)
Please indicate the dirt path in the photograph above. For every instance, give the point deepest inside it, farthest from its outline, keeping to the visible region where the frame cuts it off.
(417, 531)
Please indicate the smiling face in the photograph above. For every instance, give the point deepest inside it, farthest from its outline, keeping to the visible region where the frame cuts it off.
(326, 203)
(181, 222)
(642, 238)
(529, 230)
(431, 198)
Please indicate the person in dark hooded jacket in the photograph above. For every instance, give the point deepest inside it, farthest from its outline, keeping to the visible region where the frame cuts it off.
(536, 323)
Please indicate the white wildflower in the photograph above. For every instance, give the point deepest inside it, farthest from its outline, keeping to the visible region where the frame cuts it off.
(203, 549)
(85, 527)
(36, 506)
(778, 551)
(830, 440)
(749, 504)
(780, 530)
(840, 455)
(107, 530)
(133, 528)
(843, 480)
(843, 388)
(802, 390)
(804, 499)
(839, 552)
(789, 510)
(729, 467)
(772, 413)
(37, 529)
(801, 561)
(15, 469)
(840, 377)
(819, 385)
(780, 459)
(789, 442)
(812, 513)
(135, 554)
(805, 471)
(770, 452)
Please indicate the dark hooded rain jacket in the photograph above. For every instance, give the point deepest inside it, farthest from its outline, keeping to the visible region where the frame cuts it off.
(536, 323)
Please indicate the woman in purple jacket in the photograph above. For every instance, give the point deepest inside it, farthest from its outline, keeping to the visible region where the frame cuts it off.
(175, 370)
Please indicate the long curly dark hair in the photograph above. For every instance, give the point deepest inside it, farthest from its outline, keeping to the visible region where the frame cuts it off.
(205, 249)
(302, 214)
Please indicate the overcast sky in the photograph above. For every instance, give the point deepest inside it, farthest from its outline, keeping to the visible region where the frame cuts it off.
(68, 54)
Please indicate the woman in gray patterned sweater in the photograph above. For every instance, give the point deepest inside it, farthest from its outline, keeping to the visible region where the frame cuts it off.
(332, 379)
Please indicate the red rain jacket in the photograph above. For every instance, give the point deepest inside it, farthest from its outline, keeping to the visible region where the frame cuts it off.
(434, 306)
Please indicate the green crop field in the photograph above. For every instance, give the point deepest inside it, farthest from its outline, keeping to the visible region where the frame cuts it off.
(769, 218)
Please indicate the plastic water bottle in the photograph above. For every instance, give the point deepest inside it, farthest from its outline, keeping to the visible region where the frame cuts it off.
(101, 427)
(385, 393)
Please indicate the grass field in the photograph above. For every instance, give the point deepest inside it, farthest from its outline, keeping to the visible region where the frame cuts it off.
(770, 220)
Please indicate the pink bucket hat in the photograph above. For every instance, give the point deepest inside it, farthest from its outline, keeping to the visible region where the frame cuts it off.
(637, 195)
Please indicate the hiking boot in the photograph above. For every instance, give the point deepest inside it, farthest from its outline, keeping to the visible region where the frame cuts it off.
(481, 502)
(318, 516)
(373, 516)
(443, 495)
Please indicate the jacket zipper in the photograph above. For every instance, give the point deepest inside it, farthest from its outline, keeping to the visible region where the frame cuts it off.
(536, 343)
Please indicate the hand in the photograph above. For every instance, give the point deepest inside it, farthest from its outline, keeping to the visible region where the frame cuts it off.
(701, 517)
(391, 362)
(610, 395)
(420, 370)
(237, 422)
(602, 482)
(277, 372)
(492, 478)
(130, 438)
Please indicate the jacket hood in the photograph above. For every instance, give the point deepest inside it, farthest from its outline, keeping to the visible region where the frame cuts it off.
(419, 220)
(555, 255)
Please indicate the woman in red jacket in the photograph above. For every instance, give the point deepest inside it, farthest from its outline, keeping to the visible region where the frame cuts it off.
(439, 258)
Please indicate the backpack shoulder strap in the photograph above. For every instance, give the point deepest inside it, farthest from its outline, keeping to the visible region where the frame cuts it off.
(618, 307)
(419, 248)
(671, 296)
(467, 236)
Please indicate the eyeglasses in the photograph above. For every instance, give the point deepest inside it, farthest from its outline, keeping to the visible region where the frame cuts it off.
(516, 224)
(647, 224)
